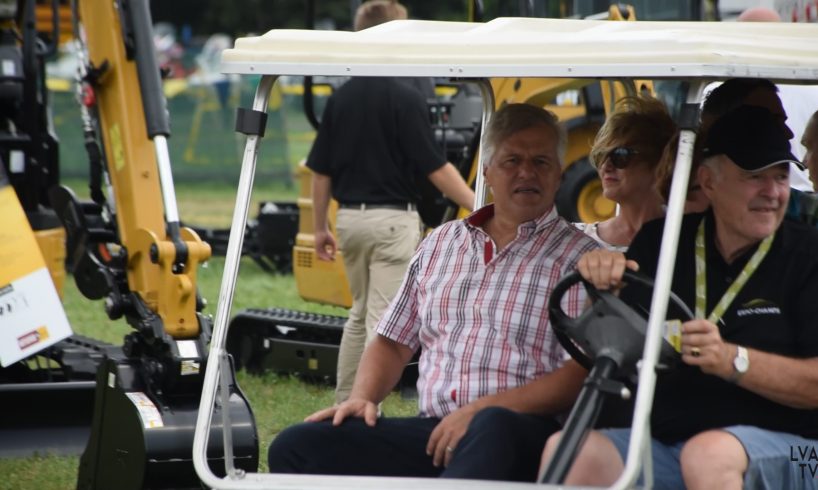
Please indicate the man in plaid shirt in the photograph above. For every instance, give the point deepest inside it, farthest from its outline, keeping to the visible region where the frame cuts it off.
(491, 374)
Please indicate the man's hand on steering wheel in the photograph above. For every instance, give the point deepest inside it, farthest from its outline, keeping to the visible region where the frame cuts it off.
(608, 327)
(703, 346)
(604, 268)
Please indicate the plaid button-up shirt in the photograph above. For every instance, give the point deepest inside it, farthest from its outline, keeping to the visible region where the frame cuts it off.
(480, 316)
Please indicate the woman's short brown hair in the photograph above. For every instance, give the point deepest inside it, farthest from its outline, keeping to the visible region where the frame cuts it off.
(640, 122)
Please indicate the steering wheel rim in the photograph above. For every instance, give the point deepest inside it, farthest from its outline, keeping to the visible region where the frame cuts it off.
(566, 329)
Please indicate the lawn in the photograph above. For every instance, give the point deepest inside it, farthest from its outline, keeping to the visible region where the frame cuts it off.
(277, 400)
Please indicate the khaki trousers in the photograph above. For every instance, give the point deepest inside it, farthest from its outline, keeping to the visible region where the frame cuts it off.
(377, 246)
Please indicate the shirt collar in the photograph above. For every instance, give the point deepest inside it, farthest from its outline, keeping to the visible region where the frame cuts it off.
(481, 216)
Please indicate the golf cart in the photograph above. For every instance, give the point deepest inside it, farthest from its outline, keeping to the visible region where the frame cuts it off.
(695, 52)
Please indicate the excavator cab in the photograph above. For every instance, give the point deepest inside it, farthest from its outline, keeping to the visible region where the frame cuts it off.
(581, 106)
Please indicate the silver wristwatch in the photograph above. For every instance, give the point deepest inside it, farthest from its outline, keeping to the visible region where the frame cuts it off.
(741, 363)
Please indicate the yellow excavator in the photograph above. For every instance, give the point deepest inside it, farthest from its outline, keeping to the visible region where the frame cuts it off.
(126, 246)
(580, 105)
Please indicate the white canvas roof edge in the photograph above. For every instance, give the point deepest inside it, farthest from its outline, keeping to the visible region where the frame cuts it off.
(781, 52)
(664, 71)
(540, 47)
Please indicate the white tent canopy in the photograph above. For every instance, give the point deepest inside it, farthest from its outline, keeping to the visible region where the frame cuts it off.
(537, 47)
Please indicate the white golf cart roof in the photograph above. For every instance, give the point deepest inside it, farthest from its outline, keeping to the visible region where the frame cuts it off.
(528, 47)
(501, 48)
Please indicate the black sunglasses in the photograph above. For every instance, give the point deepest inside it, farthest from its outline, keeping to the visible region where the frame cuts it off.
(621, 157)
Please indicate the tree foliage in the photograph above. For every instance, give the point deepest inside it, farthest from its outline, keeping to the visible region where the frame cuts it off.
(240, 17)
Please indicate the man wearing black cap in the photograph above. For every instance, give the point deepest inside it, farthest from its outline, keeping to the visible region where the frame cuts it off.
(742, 407)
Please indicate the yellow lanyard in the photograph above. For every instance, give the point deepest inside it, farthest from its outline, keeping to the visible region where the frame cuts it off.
(733, 290)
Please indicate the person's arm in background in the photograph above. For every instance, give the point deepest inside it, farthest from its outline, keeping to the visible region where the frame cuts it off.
(325, 245)
(448, 180)
(417, 142)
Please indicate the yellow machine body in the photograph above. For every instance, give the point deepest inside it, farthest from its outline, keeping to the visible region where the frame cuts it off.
(326, 282)
(52, 246)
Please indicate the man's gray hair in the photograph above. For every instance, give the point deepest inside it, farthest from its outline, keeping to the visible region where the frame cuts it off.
(513, 118)
(714, 164)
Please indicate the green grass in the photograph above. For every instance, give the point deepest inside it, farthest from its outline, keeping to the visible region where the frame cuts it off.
(277, 401)
(40, 472)
(211, 203)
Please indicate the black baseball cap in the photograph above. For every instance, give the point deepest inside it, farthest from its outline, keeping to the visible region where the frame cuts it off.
(751, 137)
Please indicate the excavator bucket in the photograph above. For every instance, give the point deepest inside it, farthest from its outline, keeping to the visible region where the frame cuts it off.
(61, 376)
(142, 439)
(43, 366)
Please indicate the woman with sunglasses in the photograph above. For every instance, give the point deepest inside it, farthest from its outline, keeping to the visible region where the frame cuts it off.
(626, 152)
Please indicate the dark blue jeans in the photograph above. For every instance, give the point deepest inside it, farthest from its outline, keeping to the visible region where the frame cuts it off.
(394, 447)
(499, 445)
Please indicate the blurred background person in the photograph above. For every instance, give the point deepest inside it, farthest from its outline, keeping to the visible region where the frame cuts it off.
(810, 141)
(803, 206)
(375, 137)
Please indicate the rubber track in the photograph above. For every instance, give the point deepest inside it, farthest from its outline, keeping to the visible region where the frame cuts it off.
(249, 329)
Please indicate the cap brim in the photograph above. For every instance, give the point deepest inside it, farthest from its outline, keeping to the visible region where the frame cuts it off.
(778, 162)
(759, 161)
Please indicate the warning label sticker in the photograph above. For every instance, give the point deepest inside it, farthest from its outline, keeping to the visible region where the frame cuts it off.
(151, 418)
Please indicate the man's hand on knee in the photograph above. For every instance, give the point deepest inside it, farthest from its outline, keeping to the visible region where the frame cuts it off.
(444, 439)
(353, 407)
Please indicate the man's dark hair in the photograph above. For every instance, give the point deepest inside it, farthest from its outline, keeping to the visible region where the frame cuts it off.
(730, 95)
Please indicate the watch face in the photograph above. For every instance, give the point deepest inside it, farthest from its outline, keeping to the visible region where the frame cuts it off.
(741, 364)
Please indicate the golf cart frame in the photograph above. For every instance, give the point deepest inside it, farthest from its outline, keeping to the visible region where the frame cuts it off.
(697, 52)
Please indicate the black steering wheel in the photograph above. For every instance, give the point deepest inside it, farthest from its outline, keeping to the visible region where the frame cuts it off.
(609, 327)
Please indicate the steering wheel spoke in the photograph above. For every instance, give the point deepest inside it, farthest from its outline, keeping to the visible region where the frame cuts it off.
(609, 327)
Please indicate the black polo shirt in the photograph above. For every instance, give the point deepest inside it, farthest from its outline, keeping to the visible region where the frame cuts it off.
(776, 311)
(375, 138)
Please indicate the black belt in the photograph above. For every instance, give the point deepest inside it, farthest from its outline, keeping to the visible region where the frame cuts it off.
(363, 206)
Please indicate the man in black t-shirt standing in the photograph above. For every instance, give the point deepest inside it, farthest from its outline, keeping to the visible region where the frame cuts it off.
(744, 401)
(375, 136)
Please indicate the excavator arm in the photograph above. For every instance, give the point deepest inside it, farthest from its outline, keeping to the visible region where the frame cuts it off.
(127, 247)
(122, 88)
